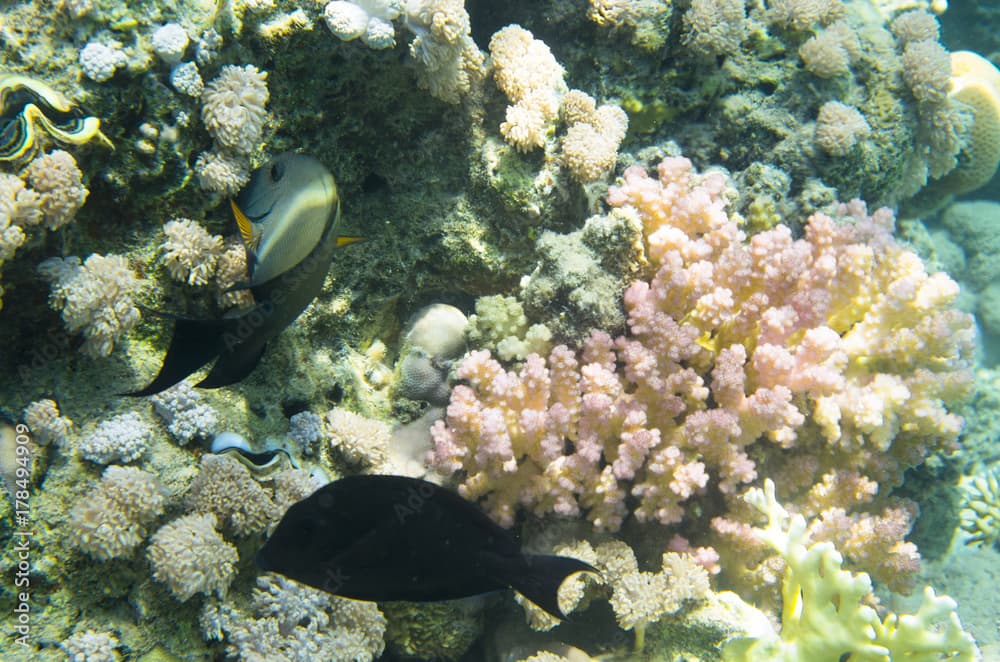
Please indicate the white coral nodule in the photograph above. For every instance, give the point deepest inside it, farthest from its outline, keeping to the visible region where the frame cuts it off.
(95, 298)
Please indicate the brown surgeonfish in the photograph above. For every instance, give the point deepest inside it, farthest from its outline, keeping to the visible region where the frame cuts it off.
(386, 538)
(288, 215)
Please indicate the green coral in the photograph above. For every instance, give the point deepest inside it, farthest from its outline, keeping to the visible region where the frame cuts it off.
(826, 613)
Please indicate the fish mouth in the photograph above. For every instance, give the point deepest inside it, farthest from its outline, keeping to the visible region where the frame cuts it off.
(257, 218)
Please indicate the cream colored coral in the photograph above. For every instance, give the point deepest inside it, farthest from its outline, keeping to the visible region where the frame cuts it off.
(577, 106)
(111, 520)
(525, 127)
(362, 442)
(638, 598)
(95, 298)
(19, 208)
(233, 107)
(58, 182)
(980, 514)
(19, 205)
(889, 8)
(231, 270)
(226, 489)
(590, 146)
(451, 63)
(190, 556)
(190, 253)
(523, 64)
(221, 172)
(839, 128)
(500, 324)
(46, 424)
(525, 70)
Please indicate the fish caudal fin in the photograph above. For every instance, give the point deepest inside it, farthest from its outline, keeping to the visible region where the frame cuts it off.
(232, 367)
(539, 577)
(194, 343)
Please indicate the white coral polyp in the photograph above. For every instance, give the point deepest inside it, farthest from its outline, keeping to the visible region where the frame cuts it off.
(190, 253)
(380, 34)
(169, 42)
(346, 20)
(100, 62)
(371, 20)
(233, 107)
(221, 173)
(525, 127)
(95, 298)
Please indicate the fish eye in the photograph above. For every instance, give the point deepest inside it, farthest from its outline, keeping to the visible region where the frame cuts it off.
(277, 171)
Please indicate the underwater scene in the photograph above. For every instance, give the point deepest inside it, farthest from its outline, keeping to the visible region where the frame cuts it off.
(500, 331)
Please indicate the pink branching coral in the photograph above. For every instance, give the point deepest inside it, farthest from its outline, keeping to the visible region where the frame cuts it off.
(835, 356)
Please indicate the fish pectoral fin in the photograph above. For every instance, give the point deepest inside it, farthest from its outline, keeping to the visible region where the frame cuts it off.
(194, 343)
(250, 238)
(539, 576)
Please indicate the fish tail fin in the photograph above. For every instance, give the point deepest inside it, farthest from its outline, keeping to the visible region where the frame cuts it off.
(194, 343)
(232, 367)
(540, 577)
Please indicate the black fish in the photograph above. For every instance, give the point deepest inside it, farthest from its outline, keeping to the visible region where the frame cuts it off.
(304, 195)
(386, 538)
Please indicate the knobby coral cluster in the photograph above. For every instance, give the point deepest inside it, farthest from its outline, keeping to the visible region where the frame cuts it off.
(828, 361)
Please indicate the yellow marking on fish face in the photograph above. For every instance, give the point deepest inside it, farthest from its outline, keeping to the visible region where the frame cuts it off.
(347, 241)
(245, 226)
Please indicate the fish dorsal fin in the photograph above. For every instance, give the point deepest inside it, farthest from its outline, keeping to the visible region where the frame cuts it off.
(245, 226)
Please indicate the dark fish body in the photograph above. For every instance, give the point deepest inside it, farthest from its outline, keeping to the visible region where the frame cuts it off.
(238, 342)
(386, 538)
